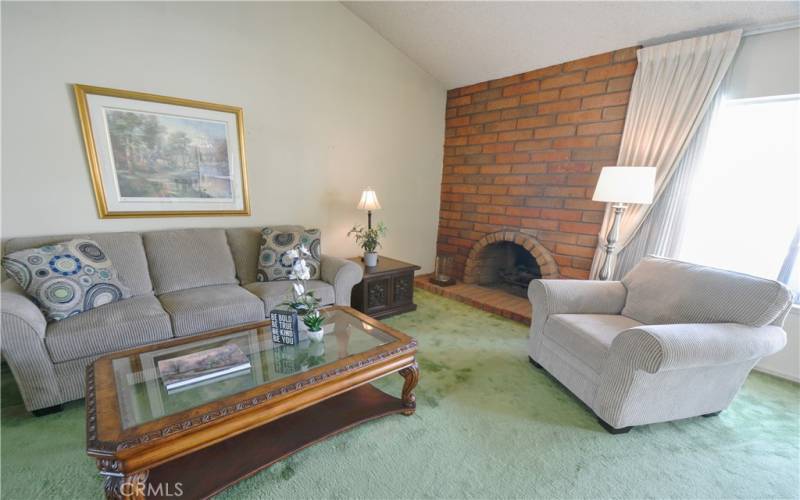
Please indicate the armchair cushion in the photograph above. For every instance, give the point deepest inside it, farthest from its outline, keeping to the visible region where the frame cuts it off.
(663, 291)
(207, 308)
(113, 327)
(576, 297)
(273, 293)
(587, 336)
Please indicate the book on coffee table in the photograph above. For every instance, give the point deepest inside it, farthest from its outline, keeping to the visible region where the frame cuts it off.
(203, 366)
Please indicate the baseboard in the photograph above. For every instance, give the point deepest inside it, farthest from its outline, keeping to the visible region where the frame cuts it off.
(778, 374)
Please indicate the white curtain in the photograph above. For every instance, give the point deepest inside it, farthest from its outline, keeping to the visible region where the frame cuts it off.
(674, 86)
(662, 230)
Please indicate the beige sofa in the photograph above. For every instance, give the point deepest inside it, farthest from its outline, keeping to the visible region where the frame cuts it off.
(671, 340)
(183, 282)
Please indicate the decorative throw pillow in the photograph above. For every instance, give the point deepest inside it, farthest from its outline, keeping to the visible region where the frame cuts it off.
(274, 264)
(67, 278)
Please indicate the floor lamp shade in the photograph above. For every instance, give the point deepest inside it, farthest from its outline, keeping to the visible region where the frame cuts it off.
(621, 185)
(626, 185)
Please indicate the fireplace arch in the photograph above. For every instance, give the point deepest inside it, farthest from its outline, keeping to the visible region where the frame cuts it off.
(476, 265)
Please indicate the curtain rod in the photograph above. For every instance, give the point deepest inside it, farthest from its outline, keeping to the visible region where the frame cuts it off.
(746, 31)
(771, 28)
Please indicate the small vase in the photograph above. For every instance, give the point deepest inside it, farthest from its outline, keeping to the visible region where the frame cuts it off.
(316, 335)
(370, 259)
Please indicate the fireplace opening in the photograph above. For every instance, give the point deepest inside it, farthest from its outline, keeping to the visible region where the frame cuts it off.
(507, 266)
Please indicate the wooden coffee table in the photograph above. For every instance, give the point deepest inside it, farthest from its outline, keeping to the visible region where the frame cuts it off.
(149, 443)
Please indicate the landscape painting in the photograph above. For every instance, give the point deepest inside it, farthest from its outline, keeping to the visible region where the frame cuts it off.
(151, 155)
(161, 156)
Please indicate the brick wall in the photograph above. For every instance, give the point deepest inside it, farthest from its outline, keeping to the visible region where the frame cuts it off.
(524, 153)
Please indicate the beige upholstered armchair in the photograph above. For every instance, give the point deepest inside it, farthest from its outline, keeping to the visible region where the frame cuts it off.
(671, 340)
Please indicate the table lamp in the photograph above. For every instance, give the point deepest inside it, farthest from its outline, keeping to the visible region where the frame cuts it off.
(621, 186)
(369, 202)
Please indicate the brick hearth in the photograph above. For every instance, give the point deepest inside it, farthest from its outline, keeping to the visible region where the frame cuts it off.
(489, 299)
(524, 152)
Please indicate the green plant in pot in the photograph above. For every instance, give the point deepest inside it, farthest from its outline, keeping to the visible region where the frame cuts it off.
(368, 238)
(313, 321)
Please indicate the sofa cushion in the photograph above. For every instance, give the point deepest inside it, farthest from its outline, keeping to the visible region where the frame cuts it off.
(665, 291)
(207, 308)
(125, 250)
(273, 293)
(188, 258)
(276, 241)
(245, 243)
(588, 337)
(113, 327)
(66, 278)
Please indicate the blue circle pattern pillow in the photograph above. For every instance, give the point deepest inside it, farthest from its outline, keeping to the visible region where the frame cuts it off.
(67, 278)
(273, 262)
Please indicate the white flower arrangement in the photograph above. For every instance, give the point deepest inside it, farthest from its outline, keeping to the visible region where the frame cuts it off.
(303, 301)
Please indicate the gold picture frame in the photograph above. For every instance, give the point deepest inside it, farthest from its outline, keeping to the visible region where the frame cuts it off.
(156, 156)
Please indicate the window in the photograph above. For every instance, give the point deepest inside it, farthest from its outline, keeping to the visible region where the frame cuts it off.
(743, 210)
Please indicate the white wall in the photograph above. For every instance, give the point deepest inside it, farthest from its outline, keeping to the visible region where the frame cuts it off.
(766, 65)
(329, 107)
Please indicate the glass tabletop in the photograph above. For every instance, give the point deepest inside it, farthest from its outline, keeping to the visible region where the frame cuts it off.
(172, 379)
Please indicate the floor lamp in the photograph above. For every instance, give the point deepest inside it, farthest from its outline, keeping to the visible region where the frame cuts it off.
(622, 186)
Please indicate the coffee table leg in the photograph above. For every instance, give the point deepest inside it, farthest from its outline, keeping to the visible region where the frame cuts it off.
(124, 486)
(411, 374)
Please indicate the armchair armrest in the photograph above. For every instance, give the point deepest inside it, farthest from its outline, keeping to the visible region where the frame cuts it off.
(342, 274)
(15, 304)
(576, 297)
(658, 348)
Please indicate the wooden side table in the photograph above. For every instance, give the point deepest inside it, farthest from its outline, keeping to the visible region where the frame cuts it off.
(387, 289)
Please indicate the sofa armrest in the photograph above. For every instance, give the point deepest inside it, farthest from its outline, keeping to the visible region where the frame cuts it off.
(343, 275)
(658, 348)
(576, 297)
(14, 303)
(23, 347)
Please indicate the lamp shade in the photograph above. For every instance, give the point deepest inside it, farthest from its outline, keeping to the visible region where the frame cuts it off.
(369, 200)
(626, 185)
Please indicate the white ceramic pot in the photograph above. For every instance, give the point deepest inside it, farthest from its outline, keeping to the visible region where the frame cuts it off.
(317, 335)
(370, 259)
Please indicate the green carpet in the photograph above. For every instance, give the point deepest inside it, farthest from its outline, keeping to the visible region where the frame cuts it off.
(487, 425)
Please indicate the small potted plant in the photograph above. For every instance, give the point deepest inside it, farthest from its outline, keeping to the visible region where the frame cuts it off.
(369, 240)
(313, 321)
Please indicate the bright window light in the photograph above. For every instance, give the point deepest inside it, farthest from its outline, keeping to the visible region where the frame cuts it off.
(743, 210)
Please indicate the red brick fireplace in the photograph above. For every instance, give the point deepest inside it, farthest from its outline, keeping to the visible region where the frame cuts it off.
(522, 156)
(502, 258)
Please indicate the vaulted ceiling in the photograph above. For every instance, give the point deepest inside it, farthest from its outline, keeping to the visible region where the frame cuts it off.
(468, 42)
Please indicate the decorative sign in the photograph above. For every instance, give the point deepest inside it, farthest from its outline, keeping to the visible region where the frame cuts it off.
(284, 326)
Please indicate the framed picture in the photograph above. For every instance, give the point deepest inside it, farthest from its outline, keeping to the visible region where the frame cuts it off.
(156, 156)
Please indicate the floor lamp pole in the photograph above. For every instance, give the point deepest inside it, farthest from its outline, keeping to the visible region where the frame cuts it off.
(369, 219)
(611, 240)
